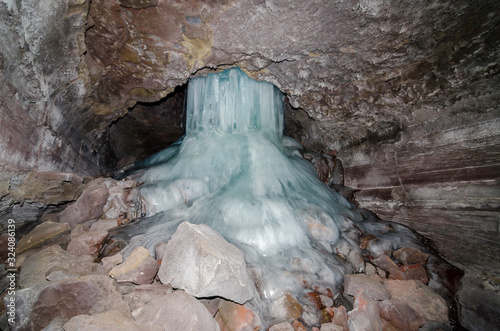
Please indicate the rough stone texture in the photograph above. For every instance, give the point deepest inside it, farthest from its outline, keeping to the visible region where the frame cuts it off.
(146, 293)
(176, 311)
(37, 266)
(111, 320)
(86, 242)
(410, 255)
(37, 306)
(406, 93)
(138, 268)
(283, 326)
(202, 262)
(412, 304)
(43, 234)
(235, 317)
(372, 287)
(365, 315)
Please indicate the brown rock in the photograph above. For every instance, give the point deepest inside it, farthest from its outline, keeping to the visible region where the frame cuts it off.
(237, 317)
(139, 268)
(384, 262)
(298, 326)
(412, 305)
(37, 306)
(38, 266)
(372, 287)
(43, 234)
(410, 255)
(86, 242)
(406, 272)
(89, 206)
(143, 294)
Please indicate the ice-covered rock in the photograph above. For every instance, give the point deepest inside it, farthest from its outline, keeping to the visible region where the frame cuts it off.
(176, 311)
(138, 268)
(200, 261)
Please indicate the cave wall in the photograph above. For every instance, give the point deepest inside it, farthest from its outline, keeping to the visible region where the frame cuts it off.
(406, 93)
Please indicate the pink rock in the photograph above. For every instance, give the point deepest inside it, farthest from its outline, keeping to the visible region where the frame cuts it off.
(297, 326)
(89, 206)
(138, 268)
(340, 317)
(384, 262)
(406, 272)
(86, 242)
(143, 294)
(283, 326)
(410, 255)
(412, 304)
(111, 320)
(372, 288)
(365, 314)
(237, 317)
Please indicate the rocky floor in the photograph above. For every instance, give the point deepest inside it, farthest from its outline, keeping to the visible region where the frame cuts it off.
(71, 278)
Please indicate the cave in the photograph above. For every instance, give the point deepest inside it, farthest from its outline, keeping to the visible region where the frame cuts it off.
(396, 105)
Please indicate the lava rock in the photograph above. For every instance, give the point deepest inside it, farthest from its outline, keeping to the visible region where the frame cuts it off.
(176, 311)
(200, 261)
(138, 268)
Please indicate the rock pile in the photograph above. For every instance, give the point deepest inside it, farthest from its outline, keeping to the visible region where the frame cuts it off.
(199, 281)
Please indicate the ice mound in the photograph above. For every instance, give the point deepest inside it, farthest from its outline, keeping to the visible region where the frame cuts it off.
(235, 172)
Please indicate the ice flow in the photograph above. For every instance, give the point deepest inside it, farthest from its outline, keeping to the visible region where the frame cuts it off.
(235, 172)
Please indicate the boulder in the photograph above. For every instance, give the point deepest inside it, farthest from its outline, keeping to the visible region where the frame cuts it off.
(412, 304)
(143, 294)
(89, 206)
(410, 255)
(198, 260)
(38, 266)
(372, 287)
(406, 272)
(138, 268)
(86, 242)
(235, 317)
(384, 262)
(330, 327)
(176, 311)
(111, 320)
(44, 233)
(364, 316)
(339, 318)
(37, 306)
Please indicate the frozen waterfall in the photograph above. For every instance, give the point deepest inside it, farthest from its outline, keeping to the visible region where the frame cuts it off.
(235, 172)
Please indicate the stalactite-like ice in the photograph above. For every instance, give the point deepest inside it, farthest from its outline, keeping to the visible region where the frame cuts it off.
(234, 171)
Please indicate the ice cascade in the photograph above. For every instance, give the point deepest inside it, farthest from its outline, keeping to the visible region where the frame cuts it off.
(235, 172)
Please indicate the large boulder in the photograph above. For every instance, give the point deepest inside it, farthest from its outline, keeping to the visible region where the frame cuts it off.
(200, 261)
(176, 311)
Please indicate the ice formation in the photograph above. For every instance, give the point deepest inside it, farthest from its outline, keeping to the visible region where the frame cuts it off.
(235, 172)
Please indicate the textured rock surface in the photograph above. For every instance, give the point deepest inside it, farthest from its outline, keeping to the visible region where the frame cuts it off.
(38, 266)
(42, 234)
(365, 315)
(176, 311)
(372, 287)
(200, 261)
(139, 268)
(61, 300)
(111, 320)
